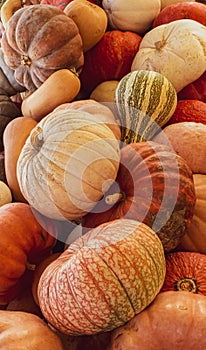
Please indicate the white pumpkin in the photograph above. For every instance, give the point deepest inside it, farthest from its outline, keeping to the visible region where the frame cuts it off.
(67, 163)
(176, 50)
(131, 15)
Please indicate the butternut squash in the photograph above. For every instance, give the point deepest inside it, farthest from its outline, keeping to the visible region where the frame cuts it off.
(14, 137)
(62, 86)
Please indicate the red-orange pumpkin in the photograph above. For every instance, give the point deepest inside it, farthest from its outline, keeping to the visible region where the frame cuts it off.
(195, 90)
(154, 186)
(173, 321)
(185, 271)
(23, 244)
(189, 9)
(109, 59)
(189, 111)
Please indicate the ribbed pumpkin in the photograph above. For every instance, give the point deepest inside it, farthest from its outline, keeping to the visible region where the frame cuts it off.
(51, 42)
(66, 163)
(145, 101)
(185, 271)
(153, 186)
(195, 237)
(173, 321)
(103, 279)
(23, 244)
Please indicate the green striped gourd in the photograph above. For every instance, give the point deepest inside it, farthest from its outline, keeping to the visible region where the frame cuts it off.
(145, 100)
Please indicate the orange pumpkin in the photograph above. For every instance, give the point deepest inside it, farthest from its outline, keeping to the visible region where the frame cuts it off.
(24, 243)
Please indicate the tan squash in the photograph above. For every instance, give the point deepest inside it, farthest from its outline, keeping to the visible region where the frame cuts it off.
(7, 10)
(105, 91)
(15, 135)
(61, 87)
(93, 28)
(5, 194)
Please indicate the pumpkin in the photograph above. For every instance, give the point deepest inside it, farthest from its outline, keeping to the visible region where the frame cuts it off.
(110, 59)
(8, 8)
(8, 111)
(99, 111)
(24, 302)
(98, 341)
(135, 16)
(194, 239)
(154, 186)
(22, 330)
(184, 272)
(63, 3)
(188, 139)
(75, 157)
(180, 10)
(105, 92)
(195, 90)
(2, 168)
(145, 101)
(91, 30)
(103, 279)
(179, 319)
(165, 3)
(48, 47)
(5, 194)
(189, 111)
(24, 243)
(60, 87)
(179, 47)
(14, 138)
(7, 81)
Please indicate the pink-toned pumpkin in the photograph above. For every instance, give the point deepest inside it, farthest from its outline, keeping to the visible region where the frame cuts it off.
(175, 320)
(103, 279)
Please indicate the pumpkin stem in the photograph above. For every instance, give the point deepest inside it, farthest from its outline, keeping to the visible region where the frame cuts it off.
(160, 44)
(186, 284)
(25, 60)
(36, 138)
(112, 199)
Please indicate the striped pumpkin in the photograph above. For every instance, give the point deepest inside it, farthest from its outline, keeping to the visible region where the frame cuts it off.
(145, 101)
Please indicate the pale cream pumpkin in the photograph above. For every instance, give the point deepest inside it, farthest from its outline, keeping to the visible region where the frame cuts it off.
(176, 50)
(131, 15)
(195, 237)
(67, 163)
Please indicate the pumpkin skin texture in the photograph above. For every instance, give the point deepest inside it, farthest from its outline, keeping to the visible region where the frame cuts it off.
(195, 90)
(75, 156)
(184, 325)
(176, 46)
(99, 111)
(149, 174)
(105, 92)
(194, 239)
(22, 330)
(24, 243)
(189, 9)
(110, 59)
(103, 279)
(14, 138)
(145, 101)
(188, 139)
(136, 16)
(47, 45)
(189, 111)
(185, 271)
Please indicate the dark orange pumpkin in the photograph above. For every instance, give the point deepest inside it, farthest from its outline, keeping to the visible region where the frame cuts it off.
(109, 59)
(195, 90)
(24, 243)
(154, 186)
(50, 42)
(185, 271)
(189, 111)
